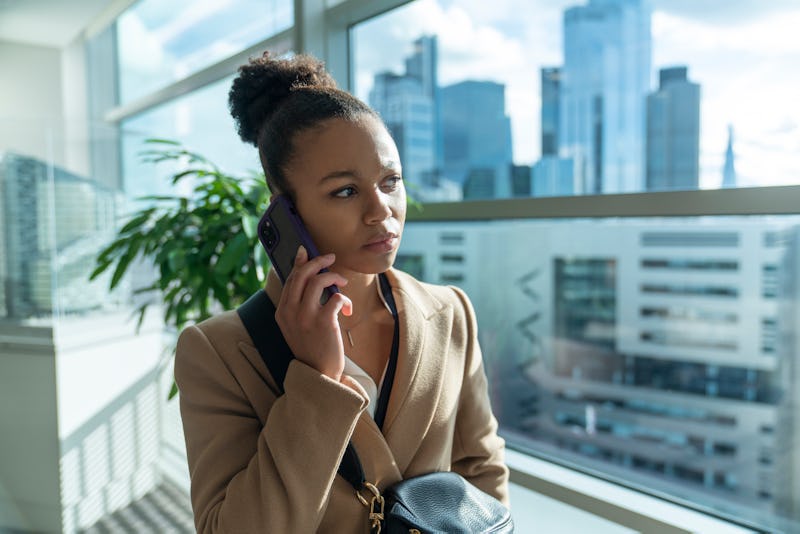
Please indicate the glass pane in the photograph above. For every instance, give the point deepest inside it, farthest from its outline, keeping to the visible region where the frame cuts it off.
(659, 352)
(161, 42)
(199, 120)
(520, 98)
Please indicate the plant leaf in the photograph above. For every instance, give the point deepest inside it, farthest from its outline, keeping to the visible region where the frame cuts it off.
(136, 221)
(232, 254)
(124, 262)
(173, 390)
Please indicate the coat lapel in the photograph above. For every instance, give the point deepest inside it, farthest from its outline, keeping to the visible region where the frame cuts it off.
(424, 335)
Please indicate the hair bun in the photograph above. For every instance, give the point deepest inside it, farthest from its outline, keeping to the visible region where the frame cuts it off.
(264, 82)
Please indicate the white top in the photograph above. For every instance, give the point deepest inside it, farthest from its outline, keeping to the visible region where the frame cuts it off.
(354, 371)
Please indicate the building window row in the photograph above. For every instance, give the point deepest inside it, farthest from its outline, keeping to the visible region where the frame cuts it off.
(690, 290)
(719, 480)
(669, 338)
(684, 313)
(451, 238)
(769, 281)
(696, 378)
(683, 264)
(690, 239)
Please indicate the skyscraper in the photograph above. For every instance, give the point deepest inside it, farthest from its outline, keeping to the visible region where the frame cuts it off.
(476, 132)
(673, 132)
(603, 84)
(423, 65)
(551, 92)
(552, 175)
(521, 180)
(729, 170)
(409, 115)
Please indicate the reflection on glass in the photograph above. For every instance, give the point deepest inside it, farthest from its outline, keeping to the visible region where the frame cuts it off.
(53, 221)
(687, 390)
(583, 97)
(161, 42)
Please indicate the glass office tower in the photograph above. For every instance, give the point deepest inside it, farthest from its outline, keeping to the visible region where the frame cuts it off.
(604, 83)
(673, 132)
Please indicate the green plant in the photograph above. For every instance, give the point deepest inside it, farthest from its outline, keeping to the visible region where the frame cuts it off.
(204, 245)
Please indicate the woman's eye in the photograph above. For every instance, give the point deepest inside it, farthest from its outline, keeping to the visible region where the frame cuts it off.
(345, 192)
(392, 182)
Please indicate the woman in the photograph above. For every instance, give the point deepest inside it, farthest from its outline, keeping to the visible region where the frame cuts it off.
(264, 462)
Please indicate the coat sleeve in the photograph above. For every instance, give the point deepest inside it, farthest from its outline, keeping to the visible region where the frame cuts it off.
(478, 452)
(245, 478)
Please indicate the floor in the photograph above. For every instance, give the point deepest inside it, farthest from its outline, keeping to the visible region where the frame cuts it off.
(164, 510)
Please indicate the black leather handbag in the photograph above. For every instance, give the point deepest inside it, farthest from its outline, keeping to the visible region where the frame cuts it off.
(442, 503)
(435, 503)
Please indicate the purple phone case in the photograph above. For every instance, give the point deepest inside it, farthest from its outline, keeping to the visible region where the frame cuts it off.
(281, 231)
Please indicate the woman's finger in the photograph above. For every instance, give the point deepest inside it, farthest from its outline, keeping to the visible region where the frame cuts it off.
(295, 284)
(338, 303)
(315, 286)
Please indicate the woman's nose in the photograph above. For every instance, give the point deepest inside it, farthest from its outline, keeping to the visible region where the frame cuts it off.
(378, 208)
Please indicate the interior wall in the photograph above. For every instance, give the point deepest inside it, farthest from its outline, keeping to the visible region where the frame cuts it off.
(74, 100)
(31, 102)
(30, 498)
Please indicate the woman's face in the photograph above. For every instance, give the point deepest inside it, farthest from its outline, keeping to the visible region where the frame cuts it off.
(348, 189)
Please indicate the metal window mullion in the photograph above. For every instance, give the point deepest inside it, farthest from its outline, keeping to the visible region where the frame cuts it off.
(338, 21)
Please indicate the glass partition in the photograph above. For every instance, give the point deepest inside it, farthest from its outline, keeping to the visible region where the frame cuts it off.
(658, 352)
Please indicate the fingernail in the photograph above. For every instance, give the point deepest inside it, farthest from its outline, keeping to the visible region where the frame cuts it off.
(301, 250)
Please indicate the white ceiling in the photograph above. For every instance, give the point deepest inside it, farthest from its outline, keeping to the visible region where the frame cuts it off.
(53, 23)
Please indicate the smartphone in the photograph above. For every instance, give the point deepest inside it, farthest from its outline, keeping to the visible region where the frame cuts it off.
(281, 231)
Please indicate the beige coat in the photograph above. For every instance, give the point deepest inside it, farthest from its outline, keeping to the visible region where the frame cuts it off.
(263, 463)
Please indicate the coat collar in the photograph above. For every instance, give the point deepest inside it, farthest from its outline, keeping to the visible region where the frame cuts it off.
(425, 324)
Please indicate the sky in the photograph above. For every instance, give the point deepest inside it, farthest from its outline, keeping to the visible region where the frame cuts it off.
(744, 54)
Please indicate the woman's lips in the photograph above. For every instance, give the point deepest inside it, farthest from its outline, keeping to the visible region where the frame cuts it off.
(383, 244)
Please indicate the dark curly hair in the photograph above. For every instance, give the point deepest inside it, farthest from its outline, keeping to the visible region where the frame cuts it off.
(272, 100)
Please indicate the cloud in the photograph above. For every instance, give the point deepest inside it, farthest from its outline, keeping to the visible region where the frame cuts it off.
(723, 13)
(744, 56)
(140, 49)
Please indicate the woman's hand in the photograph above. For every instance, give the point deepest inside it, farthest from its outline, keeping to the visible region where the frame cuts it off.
(312, 330)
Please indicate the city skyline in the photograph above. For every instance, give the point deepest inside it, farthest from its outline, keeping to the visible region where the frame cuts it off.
(508, 48)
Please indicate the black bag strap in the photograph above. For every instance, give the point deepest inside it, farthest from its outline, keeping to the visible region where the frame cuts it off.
(258, 316)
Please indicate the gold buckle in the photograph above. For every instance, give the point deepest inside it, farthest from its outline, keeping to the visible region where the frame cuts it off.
(376, 503)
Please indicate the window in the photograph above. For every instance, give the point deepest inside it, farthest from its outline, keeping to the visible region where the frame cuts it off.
(652, 322)
(685, 264)
(588, 97)
(684, 313)
(162, 42)
(691, 290)
(589, 366)
(199, 120)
